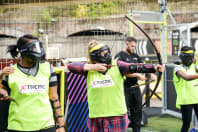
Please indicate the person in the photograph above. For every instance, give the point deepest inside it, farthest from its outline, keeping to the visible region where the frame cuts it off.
(185, 81)
(194, 118)
(194, 122)
(32, 84)
(105, 92)
(133, 95)
(4, 105)
(6, 71)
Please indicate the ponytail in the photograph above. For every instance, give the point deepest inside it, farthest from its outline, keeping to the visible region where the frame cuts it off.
(13, 50)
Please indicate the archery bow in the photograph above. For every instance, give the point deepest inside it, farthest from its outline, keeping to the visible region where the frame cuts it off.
(158, 57)
(149, 81)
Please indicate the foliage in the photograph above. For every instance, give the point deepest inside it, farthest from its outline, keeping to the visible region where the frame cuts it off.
(5, 10)
(176, 0)
(81, 11)
(36, 33)
(96, 9)
(1, 10)
(45, 18)
(87, 9)
(29, 1)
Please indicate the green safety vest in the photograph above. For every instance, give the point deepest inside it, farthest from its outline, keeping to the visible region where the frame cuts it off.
(33, 110)
(187, 91)
(196, 63)
(106, 93)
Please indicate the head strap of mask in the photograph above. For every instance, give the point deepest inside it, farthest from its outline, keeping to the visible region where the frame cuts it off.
(95, 54)
(187, 57)
(33, 50)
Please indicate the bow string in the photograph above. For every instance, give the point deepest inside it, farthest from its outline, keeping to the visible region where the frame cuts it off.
(158, 57)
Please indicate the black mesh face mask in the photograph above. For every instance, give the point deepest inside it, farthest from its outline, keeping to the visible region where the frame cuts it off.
(33, 50)
(187, 58)
(96, 55)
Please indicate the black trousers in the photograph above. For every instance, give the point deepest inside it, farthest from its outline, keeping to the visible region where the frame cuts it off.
(134, 101)
(186, 111)
(4, 107)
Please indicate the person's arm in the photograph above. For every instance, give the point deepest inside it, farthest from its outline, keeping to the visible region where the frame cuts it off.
(55, 99)
(3, 93)
(140, 76)
(4, 82)
(96, 67)
(137, 75)
(186, 77)
(6, 71)
(153, 76)
(76, 67)
(3, 89)
(126, 68)
(82, 68)
(56, 104)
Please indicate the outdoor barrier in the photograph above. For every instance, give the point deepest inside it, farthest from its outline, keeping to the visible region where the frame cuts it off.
(61, 86)
(78, 106)
(169, 97)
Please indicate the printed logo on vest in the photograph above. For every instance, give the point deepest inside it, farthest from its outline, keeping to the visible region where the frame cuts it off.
(32, 88)
(102, 83)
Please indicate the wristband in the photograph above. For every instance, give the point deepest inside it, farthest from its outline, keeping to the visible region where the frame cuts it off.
(56, 100)
(60, 126)
(58, 107)
(59, 116)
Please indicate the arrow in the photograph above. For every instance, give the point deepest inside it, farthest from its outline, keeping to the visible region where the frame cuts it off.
(150, 81)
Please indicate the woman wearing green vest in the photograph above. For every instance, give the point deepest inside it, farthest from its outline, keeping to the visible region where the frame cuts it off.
(105, 92)
(186, 85)
(32, 84)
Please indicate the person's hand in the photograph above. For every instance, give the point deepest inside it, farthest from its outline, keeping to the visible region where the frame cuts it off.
(96, 67)
(153, 77)
(141, 77)
(100, 67)
(7, 70)
(3, 94)
(60, 129)
(160, 68)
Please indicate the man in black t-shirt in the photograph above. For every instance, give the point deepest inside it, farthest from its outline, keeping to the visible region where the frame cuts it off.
(133, 95)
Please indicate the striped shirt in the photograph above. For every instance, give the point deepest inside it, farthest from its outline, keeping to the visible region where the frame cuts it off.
(78, 67)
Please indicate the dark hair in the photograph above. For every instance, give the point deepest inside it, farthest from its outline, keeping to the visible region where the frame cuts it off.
(131, 39)
(186, 48)
(21, 41)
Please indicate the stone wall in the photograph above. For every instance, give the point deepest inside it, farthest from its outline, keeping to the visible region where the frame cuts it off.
(58, 32)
